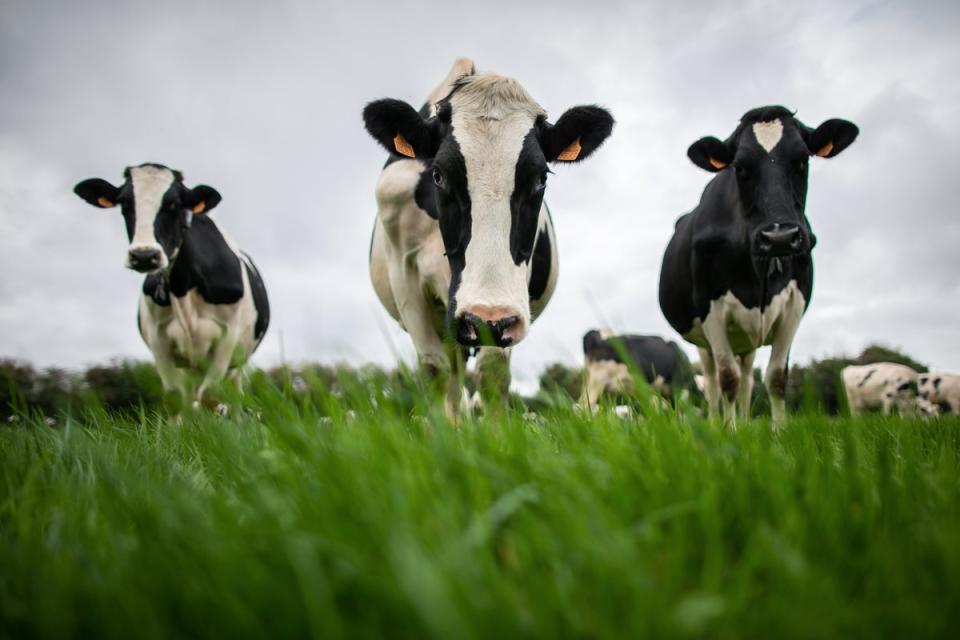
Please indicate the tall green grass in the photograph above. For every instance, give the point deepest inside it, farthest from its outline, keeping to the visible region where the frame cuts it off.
(358, 513)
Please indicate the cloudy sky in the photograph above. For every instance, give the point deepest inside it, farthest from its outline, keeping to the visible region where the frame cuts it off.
(263, 101)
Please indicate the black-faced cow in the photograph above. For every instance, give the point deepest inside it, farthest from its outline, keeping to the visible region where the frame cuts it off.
(886, 386)
(203, 308)
(463, 253)
(938, 393)
(738, 272)
(612, 360)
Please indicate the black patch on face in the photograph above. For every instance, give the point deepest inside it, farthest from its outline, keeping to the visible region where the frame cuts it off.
(866, 377)
(530, 182)
(936, 383)
(448, 175)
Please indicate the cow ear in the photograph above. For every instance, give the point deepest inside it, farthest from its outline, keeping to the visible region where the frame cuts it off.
(591, 341)
(831, 137)
(400, 129)
(710, 154)
(577, 133)
(202, 198)
(98, 192)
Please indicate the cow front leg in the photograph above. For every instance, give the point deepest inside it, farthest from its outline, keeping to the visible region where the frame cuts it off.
(745, 393)
(711, 386)
(493, 376)
(223, 357)
(726, 369)
(776, 375)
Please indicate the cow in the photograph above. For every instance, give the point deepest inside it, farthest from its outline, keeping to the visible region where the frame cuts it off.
(463, 253)
(611, 360)
(938, 392)
(203, 306)
(886, 386)
(737, 273)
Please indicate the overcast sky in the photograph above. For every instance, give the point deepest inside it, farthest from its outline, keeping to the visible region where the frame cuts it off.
(263, 102)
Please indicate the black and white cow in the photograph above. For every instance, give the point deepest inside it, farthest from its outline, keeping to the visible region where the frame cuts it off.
(938, 393)
(738, 272)
(203, 309)
(463, 252)
(612, 359)
(886, 386)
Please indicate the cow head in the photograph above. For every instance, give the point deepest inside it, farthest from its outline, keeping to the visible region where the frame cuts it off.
(485, 151)
(157, 209)
(767, 155)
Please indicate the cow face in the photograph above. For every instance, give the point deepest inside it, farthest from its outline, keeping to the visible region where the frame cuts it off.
(767, 156)
(485, 153)
(157, 209)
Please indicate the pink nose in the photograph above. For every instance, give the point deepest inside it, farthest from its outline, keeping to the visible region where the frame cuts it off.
(481, 325)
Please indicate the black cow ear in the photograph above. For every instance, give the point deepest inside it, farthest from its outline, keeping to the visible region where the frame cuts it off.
(579, 132)
(831, 137)
(710, 154)
(592, 340)
(202, 198)
(400, 129)
(98, 192)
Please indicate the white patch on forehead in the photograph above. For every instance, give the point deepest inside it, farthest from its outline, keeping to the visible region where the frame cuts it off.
(149, 185)
(768, 133)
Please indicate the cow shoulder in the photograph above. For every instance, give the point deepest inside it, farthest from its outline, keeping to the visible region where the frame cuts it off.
(211, 265)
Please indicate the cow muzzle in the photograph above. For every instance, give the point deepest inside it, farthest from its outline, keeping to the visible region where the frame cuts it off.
(780, 240)
(145, 259)
(481, 326)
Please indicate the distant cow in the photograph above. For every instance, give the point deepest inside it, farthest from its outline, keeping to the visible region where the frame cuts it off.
(463, 253)
(738, 273)
(203, 308)
(610, 361)
(883, 385)
(939, 392)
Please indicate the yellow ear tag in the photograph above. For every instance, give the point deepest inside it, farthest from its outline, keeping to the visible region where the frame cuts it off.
(199, 207)
(106, 204)
(716, 164)
(572, 152)
(825, 150)
(403, 147)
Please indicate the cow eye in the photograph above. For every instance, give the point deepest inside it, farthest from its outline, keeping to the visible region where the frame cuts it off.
(437, 177)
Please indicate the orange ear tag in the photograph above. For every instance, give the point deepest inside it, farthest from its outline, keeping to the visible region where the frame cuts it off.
(571, 153)
(825, 150)
(199, 207)
(403, 147)
(106, 204)
(716, 164)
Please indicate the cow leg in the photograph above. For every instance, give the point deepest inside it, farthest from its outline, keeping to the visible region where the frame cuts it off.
(493, 376)
(219, 363)
(711, 386)
(727, 367)
(745, 393)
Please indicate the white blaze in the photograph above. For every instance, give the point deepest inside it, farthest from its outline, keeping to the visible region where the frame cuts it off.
(490, 151)
(768, 133)
(149, 185)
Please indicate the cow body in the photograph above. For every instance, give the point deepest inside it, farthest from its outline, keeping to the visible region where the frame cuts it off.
(610, 359)
(939, 393)
(883, 386)
(463, 253)
(737, 273)
(203, 308)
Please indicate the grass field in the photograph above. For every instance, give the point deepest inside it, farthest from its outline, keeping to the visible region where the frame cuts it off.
(281, 521)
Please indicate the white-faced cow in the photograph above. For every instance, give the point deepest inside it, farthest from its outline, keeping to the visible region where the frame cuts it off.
(938, 393)
(203, 308)
(738, 272)
(611, 361)
(886, 386)
(463, 253)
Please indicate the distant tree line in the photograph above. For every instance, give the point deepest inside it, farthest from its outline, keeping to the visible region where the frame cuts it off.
(133, 386)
